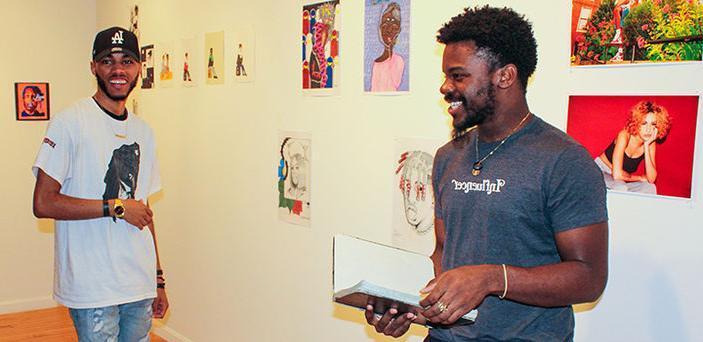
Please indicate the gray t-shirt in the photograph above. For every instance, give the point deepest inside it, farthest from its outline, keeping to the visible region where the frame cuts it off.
(539, 183)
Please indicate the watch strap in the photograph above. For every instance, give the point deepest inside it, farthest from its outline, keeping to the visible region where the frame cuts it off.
(106, 209)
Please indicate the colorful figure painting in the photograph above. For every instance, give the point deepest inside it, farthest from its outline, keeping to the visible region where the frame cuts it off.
(167, 60)
(294, 178)
(413, 200)
(636, 31)
(187, 73)
(387, 46)
(215, 60)
(643, 144)
(147, 53)
(320, 45)
(31, 101)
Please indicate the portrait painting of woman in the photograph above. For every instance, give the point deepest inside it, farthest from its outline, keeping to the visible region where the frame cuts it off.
(642, 144)
(386, 45)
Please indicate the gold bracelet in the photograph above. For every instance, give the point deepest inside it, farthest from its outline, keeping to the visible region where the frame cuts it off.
(505, 281)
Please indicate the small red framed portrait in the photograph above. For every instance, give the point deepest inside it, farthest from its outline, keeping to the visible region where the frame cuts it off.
(32, 101)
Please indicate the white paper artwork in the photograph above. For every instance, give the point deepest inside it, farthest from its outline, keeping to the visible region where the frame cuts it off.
(413, 201)
(294, 178)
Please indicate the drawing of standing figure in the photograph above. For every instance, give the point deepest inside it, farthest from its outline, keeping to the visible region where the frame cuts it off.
(240, 70)
(186, 72)
(211, 73)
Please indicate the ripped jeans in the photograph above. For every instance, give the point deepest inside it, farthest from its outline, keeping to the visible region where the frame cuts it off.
(129, 322)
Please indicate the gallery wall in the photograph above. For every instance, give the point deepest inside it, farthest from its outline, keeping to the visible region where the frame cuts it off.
(234, 270)
(43, 41)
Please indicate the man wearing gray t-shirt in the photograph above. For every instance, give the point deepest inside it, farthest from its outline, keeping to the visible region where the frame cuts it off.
(520, 213)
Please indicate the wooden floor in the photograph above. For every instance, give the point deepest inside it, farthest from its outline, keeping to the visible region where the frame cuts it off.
(47, 325)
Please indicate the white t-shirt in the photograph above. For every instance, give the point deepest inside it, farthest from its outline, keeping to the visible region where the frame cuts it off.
(98, 262)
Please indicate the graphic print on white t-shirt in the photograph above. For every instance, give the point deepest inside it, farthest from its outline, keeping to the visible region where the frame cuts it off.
(122, 172)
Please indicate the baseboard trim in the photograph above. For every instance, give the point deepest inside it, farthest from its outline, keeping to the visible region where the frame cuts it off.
(170, 334)
(27, 304)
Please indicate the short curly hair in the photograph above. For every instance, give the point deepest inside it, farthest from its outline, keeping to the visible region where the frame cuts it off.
(640, 111)
(505, 33)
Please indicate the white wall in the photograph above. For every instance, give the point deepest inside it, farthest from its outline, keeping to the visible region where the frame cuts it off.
(43, 41)
(234, 271)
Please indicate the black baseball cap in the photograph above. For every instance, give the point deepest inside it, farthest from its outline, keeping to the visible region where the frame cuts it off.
(115, 39)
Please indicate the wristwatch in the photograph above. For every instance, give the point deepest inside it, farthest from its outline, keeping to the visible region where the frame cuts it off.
(118, 209)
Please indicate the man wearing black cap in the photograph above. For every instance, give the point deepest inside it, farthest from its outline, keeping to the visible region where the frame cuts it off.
(94, 172)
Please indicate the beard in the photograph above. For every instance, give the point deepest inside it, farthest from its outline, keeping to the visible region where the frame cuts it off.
(475, 114)
(103, 86)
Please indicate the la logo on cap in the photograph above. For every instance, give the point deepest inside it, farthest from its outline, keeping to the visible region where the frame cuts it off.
(117, 38)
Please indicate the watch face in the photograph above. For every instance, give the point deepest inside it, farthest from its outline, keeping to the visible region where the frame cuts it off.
(119, 210)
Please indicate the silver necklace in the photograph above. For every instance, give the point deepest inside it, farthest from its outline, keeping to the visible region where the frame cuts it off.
(478, 165)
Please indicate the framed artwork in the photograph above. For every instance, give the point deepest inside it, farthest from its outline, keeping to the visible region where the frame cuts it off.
(243, 52)
(147, 53)
(294, 178)
(387, 46)
(32, 101)
(643, 144)
(215, 62)
(320, 46)
(605, 32)
(413, 199)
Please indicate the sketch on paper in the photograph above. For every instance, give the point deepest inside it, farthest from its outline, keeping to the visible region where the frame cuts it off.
(31, 101)
(215, 52)
(165, 69)
(386, 45)
(185, 62)
(413, 200)
(147, 53)
(294, 178)
(134, 21)
(244, 55)
(643, 144)
(320, 45)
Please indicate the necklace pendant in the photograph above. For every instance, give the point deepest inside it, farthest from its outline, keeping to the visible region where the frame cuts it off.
(476, 168)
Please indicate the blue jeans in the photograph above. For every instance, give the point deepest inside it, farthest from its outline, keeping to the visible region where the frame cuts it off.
(129, 322)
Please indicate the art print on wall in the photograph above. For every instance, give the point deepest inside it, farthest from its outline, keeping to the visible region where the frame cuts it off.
(635, 31)
(643, 144)
(243, 53)
(134, 21)
(31, 101)
(387, 46)
(147, 53)
(166, 61)
(215, 61)
(320, 46)
(294, 178)
(186, 72)
(413, 200)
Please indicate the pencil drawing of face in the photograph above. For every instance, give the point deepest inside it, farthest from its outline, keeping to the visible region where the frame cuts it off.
(415, 172)
(296, 155)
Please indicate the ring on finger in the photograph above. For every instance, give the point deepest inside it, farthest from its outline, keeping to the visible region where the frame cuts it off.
(441, 306)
